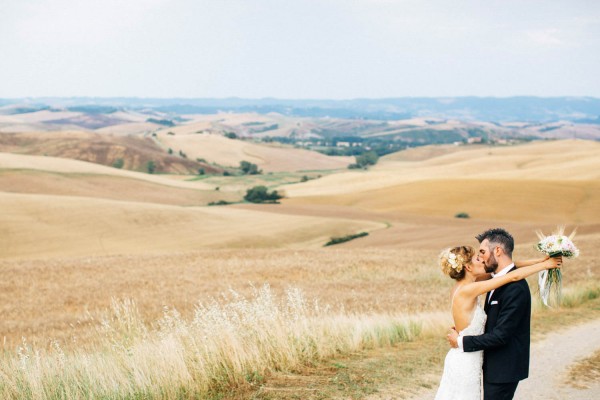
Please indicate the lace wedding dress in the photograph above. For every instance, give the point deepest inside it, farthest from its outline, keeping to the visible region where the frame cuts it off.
(462, 377)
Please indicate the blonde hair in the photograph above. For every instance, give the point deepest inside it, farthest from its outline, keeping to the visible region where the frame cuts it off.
(454, 259)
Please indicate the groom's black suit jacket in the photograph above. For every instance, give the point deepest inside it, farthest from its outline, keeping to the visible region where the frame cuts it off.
(505, 341)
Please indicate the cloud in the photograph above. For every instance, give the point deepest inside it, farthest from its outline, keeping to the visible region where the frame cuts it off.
(547, 37)
(81, 22)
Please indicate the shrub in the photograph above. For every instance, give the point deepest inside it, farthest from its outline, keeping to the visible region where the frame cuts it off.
(462, 215)
(170, 151)
(163, 122)
(219, 203)
(260, 194)
(118, 163)
(249, 168)
(151, 166)
(231, 135)
(347, 238)
(201, 171)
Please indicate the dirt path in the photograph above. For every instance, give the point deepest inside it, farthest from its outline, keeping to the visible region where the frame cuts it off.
(550, 359)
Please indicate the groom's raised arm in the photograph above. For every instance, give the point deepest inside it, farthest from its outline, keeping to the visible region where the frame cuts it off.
(513, 309)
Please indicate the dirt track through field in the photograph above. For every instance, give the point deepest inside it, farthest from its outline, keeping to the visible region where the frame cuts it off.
(550, 360)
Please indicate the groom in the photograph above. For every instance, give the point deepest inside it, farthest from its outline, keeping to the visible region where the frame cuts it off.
(505, 342)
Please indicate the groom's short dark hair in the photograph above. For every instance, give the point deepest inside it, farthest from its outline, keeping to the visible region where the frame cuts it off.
(499, 236)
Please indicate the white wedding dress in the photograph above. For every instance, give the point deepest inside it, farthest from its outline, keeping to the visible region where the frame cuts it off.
(462, 377)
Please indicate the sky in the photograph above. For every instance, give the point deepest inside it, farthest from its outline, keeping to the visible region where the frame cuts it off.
(299, 49)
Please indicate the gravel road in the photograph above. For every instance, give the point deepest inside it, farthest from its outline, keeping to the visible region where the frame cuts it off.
(550, 359)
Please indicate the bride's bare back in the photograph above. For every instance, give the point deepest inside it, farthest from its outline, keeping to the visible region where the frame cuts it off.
(462, 308)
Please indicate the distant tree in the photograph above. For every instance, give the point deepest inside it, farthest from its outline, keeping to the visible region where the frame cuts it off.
(249, 168)
(118, 163)
(151, 166)
(231, 135)
(170, 151)
(164, 122)
(226, 173)
(182, 154)
(201, 171)
(364, 160)
(260, 194)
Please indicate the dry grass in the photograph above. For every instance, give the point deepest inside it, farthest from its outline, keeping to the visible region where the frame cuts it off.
(61, 298)
(108, 187)
(585, 372)
(36, 226)
(222, 347)
(63, 260)
(572, 201)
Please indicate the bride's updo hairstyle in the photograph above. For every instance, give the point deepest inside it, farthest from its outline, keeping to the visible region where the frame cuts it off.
(454, 259)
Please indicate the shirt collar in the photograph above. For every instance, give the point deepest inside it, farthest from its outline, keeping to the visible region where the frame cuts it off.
(504, 271)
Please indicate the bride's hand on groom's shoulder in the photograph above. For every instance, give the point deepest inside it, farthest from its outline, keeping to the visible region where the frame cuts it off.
(452, 337)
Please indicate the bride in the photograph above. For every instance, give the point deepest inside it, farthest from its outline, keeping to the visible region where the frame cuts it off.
(462, 375)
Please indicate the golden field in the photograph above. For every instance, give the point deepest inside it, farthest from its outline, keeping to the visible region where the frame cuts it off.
(94, 258)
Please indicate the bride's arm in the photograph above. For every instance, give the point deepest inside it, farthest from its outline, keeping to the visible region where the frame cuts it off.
(527, 263)
(476, 288)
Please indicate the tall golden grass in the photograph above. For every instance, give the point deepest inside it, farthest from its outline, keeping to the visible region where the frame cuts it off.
(227, 344)
(224, 345)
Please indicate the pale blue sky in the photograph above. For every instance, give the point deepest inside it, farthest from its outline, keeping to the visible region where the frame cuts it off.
(299, 48)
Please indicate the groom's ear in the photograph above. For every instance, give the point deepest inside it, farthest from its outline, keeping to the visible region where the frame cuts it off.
(498, 251)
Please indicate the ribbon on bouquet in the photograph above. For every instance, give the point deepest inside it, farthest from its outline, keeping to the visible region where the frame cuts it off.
(544, 286)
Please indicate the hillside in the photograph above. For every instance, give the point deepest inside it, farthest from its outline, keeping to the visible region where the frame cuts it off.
(40, 226)
(229, 152)
(134, 151)
(505, 183)
(20, 162)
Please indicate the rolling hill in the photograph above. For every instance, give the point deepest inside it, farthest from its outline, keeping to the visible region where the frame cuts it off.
(134, 152)
(555, 181)
(38, 226)
(229, 152)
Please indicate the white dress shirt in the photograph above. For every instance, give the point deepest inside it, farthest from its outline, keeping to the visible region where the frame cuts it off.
(504, 271)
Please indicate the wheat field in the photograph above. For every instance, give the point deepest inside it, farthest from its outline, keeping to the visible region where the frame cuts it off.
(117, 285)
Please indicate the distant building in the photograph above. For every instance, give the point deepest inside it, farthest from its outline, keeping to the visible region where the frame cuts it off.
(477, 139)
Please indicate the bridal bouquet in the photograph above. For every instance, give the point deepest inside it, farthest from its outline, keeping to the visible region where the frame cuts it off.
(554, 245)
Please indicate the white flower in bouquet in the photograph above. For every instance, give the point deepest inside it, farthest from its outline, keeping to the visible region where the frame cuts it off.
(554, 245)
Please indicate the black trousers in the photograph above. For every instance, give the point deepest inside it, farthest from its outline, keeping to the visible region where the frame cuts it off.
(499, 391)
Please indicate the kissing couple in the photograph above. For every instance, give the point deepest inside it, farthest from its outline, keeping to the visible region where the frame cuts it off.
(489, 343)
